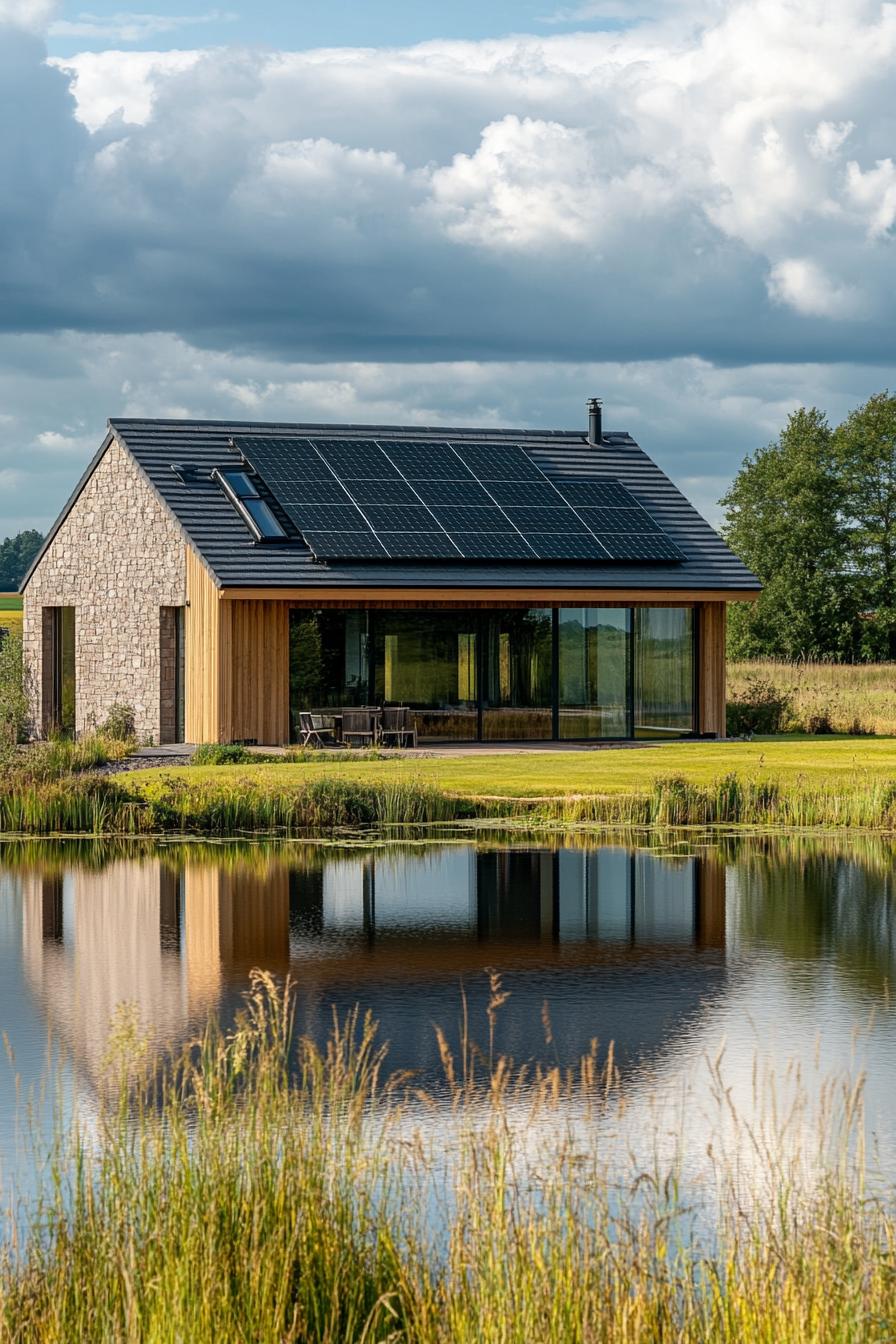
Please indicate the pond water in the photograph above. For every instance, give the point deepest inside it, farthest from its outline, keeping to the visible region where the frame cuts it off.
(770, 950)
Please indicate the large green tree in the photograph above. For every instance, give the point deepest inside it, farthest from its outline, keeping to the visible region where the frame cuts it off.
(783, 517)
(865, 462)
(16, 554)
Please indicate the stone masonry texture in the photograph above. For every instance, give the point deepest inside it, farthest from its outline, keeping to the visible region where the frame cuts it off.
(117, 559)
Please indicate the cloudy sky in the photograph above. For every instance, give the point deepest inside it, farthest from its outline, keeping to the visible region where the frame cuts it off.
(374, 210)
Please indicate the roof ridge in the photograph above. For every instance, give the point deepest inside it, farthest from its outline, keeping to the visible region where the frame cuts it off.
(341, 427)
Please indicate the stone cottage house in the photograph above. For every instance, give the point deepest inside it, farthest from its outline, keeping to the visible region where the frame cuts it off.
(226, 579)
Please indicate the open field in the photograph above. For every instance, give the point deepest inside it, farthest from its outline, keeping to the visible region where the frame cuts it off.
(11, 612)
(544, 774)
(264, 1190)
(832, 697)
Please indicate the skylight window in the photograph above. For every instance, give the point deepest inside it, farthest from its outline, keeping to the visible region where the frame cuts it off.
(263, 519)
(240, 484)
(243, 494)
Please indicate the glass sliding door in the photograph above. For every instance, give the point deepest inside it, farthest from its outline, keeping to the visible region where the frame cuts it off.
(664, 672)
(582, 673)
(594, 671)
(427, 660)
(328, 661)
(517, 691)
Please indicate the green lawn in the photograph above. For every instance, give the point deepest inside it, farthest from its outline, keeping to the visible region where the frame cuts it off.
(540, 774)
(10, 602)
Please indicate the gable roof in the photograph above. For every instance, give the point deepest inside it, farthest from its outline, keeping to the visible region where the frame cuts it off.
(234, 559)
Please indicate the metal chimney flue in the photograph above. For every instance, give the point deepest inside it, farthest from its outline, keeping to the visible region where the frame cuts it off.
(595, 420)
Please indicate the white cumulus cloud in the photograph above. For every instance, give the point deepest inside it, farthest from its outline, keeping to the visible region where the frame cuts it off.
(801, 283)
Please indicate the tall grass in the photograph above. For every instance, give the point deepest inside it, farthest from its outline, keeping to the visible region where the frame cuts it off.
(826, 697)
(257, 1188)
(735, 800)
(90, 804)
(100, 805)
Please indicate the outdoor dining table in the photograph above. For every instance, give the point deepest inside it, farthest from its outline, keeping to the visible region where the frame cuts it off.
(375, 713)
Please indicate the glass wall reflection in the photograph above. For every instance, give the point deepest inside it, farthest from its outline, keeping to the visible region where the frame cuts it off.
(582, 673)
(398, 933)
(664, 671)
(428, 661)
(328, 661)
(594, 672)
(517, 691)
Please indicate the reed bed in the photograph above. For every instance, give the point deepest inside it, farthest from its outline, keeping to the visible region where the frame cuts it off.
(735, 800)
(258, 1188)
(90, 804)
(825, 697)
(102, 805)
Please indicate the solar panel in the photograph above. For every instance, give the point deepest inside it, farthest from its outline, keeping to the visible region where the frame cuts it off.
(365, 499)
(419, 546)
(493, 546)
(426, 461)
(312, 491)
(618, 520)
(545, 520)
(446, 493)
(497, 462)
(626, 546)
(585, 490)
(383, 518)
(539, 494)
(346, 546)
(327, 518)
(381, 492)
(283, 461)
(356, 459)
(474, 520)
(566, 546)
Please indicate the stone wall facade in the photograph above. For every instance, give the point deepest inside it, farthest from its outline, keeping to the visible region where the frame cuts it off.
(118, 559)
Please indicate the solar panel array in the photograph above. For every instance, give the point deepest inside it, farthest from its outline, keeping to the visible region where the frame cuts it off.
(385, 499)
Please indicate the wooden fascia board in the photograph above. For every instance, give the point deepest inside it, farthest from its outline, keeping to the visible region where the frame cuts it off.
(568, 597)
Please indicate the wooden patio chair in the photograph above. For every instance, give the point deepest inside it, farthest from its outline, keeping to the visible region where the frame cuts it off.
(397, 728)
(357, 727)
(316, 730)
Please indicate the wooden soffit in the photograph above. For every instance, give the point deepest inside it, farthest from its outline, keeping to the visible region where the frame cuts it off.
(393, 598)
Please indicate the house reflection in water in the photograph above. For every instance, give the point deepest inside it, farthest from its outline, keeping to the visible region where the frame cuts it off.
(623, 946)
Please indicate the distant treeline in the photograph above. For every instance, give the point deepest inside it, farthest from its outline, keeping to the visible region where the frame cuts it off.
(16, 554)
(814, 517)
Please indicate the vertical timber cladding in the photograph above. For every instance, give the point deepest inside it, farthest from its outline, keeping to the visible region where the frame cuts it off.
(203, 660)
(237, 674)
(255, 698)
(711, 677)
